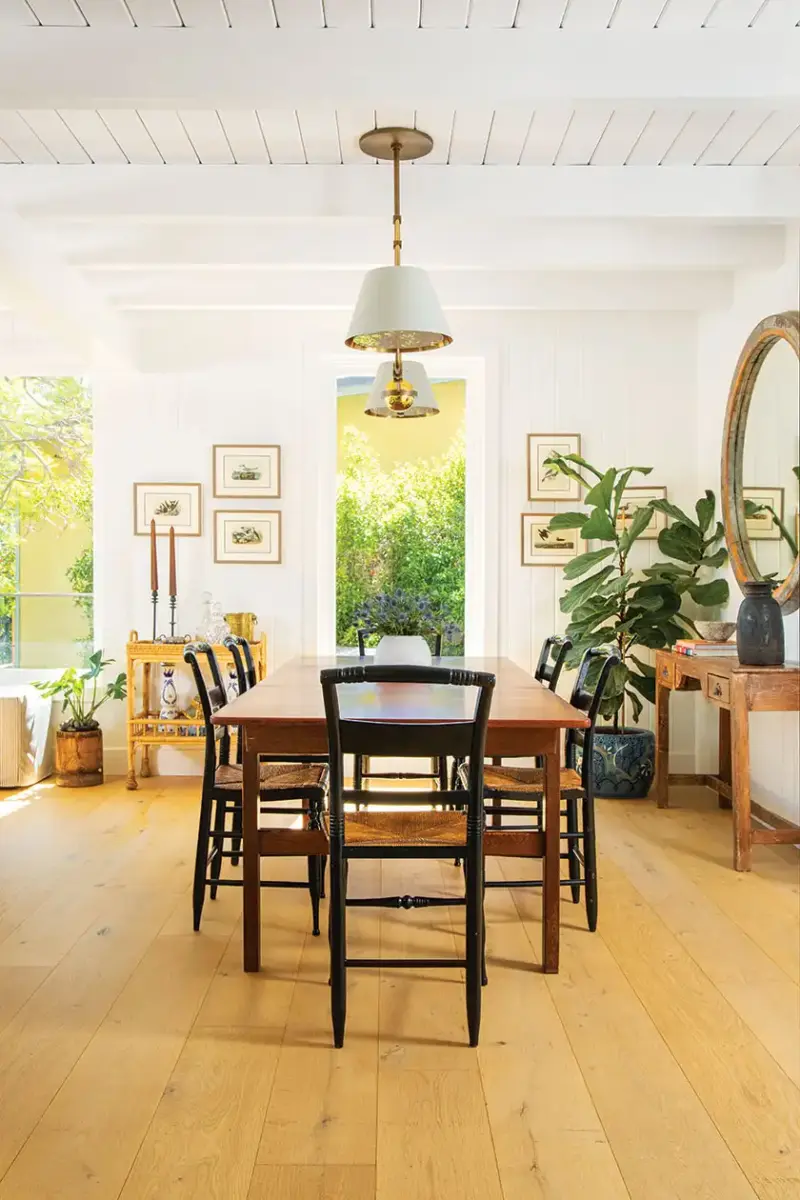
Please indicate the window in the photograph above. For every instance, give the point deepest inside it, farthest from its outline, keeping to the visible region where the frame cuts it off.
(46, 569)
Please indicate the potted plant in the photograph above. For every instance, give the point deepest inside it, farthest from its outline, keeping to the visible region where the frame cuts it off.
(79, 740)
(404, 623)
(635, 610)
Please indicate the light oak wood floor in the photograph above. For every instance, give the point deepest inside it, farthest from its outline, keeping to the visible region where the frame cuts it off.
(138, 1061)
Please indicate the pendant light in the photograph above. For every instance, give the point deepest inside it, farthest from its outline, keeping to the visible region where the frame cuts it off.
(401, 389)
(397, 309)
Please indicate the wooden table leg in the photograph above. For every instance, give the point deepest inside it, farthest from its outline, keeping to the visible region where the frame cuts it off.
(251, 859)
(724, 768)
(551, 890)
(661, 785)
(740, 770)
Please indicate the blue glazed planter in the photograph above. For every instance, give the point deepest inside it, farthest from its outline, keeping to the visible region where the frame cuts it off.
(624, 763)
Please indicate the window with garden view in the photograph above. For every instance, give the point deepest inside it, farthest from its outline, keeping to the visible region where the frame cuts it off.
(46, 569)
(400, 509)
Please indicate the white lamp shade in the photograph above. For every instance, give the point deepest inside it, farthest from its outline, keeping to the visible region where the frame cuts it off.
(424, 403)
(397, 309)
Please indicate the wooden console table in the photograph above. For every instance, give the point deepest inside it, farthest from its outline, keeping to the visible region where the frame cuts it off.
(145, 728)
(736, 691)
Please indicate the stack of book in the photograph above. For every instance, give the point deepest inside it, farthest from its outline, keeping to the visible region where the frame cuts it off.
(698, 648)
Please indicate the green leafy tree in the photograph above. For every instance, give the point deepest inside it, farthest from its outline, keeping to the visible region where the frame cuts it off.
(615, 604)
(399, 530)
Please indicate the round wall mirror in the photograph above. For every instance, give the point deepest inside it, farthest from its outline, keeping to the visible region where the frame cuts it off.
(761, 459)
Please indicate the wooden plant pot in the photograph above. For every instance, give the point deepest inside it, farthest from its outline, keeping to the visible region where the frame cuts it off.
(79, 758)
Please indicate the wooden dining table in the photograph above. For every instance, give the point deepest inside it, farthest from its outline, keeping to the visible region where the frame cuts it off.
(284, 714)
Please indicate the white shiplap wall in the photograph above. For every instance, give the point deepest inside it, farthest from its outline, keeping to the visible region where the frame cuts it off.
(625, 381)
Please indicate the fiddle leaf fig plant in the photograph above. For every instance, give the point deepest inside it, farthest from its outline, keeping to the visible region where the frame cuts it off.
(613, 603)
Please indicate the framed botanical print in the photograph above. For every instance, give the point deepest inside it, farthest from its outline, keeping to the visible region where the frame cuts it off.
(545, 482)
(545, 547)
(247, 472)
(175, 505)
(759, 505)
(634, 498)
(243, 536)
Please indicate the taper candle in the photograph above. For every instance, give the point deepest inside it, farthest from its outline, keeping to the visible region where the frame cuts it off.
(153, 559)
(173, 586)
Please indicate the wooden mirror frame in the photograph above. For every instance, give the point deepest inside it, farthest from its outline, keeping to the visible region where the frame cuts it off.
(785, 327)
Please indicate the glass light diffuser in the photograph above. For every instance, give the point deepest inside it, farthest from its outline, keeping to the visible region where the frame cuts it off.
(411, 396)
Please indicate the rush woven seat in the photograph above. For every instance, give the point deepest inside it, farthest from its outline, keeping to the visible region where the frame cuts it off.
(295, 777)
(405, 828)
(509, 781)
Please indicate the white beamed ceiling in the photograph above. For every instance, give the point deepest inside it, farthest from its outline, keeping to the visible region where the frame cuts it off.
(181, 179)
(417, 14)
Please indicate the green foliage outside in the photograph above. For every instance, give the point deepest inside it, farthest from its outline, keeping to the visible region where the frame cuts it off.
(399, 530)
(45, 472)
(634, 610)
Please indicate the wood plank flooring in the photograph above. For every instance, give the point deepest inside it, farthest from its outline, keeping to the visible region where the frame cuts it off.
(138, 1061)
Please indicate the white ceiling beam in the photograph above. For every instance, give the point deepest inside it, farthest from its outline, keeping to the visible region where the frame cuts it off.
(116, 245)
(230, 68)
(56, 298)
(457, 290)
(474, 193)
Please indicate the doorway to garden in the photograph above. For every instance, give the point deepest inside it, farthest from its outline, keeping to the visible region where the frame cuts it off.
(401, 514)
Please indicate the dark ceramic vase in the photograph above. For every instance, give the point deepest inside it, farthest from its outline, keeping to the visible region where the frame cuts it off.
(759, 627)
(624, 762)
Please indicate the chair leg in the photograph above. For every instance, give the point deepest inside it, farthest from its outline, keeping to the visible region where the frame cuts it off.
(218, 843)
(201, 858)
(314, 885)
(474, 931)
(323, 865)
(573, 861)
(590, 860)
(236, 840)
(337, 927)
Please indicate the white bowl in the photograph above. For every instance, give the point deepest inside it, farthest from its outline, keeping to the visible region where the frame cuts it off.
(715, 631)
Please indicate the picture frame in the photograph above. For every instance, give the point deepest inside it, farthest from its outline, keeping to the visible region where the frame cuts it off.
(762, 528)
(636, 497)
(246, 472)
(247, 536)
(178, 505)
(540, 551)
(543, 482)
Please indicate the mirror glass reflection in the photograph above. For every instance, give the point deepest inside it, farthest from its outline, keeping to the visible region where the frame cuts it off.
(771, 464)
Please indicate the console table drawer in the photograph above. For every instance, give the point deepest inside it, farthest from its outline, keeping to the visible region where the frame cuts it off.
(718, 688)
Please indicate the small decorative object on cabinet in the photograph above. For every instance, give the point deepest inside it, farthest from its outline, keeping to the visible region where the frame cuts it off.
(79, 740)
(243, 624)
(759, 627)
(247, 537)
(145, 725)
(167, 504)
(169, 695)
(247, 472)
(544, 481)
(546, 547)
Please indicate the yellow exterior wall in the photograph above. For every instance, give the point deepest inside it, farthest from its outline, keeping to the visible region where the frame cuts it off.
(50, 628)
(402, 441)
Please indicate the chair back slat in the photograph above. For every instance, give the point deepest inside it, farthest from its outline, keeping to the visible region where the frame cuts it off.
(464, 738)
(362, 635)
(587, 695)
(551, 660)
(243, 662)
(212, 698)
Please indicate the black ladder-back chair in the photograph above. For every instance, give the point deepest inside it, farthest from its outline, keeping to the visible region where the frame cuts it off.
(361, 769)
(416, 834)
(246, 678)
(525, 785)
(221, 798)
(548, 670)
